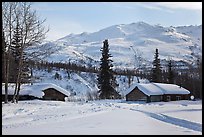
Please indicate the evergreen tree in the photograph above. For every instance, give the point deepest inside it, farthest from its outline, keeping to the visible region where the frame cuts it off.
(199, 69)
(105, 76)
(58, 76)
(3, 56)
(156, 70)
(129, 80)
(18, 59)
(19, 70)
(16, 54)
(4, 66)
(170, 73)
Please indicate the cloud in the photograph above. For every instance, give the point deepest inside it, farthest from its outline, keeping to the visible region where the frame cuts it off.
(148, 5)
(181, 5)
(177, 5)
(169, 6)
(152, 6)
(135, 5)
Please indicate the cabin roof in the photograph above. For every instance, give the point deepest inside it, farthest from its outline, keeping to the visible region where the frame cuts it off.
(158, 89)
(34, 90)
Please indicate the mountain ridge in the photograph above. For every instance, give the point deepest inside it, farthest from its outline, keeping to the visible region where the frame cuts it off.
(181, 43)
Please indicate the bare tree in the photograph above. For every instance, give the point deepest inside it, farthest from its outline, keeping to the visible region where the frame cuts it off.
(137, 58)
(92, 95)
(8, 20)
(20, 15)
(32, 34)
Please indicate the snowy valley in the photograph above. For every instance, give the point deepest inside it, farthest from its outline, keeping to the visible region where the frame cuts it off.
(96, 68)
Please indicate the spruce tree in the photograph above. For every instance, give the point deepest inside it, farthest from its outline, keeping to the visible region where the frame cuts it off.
(3, 57)
(16, 54)
(170, 73)
(156, 70)
(105, 77)
(19, 70)
(3, 46)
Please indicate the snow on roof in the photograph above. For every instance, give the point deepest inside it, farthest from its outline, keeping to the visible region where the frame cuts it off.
(171, 88)
(158, 89)
(60, 89)
(34, 90)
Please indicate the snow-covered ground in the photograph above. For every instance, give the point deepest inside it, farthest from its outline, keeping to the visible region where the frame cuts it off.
(102, 117)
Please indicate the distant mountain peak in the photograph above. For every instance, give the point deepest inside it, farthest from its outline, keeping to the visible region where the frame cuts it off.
(181, 43)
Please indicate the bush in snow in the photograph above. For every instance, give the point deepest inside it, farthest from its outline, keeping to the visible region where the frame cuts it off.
(92, 95)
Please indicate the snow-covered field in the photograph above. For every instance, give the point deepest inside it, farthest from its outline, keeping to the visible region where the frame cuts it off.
(102, 117)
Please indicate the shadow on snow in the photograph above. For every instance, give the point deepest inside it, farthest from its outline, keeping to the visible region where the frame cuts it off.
(175, 121)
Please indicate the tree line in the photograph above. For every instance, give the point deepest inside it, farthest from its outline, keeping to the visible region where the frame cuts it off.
(190, 78)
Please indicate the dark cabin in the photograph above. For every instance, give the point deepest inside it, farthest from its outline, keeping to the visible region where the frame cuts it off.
(136, 95)
(44, 91)
(155, 92)
(53, 94)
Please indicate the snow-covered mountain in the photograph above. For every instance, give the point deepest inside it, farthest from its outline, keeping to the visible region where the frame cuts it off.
(131, 45)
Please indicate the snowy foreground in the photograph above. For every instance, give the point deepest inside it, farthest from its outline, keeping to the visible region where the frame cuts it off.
(102, 117)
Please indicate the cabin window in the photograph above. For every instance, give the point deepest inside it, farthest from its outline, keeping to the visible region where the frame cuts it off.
(178, 97)
(168, 98)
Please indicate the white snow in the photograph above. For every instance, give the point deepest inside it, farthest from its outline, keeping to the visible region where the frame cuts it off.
(102, 117)
(158, 89)
(171, 88)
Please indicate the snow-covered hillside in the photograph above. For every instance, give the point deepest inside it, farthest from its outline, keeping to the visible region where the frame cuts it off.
(128, 41)
(102, 117)
(80, 84)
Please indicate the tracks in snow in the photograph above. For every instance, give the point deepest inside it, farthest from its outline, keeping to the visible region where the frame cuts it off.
(172, 120)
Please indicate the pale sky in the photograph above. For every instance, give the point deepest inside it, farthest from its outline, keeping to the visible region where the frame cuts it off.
(64, 18)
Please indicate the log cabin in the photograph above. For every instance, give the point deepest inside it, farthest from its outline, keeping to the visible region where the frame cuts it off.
(44, 91)
(155, 92)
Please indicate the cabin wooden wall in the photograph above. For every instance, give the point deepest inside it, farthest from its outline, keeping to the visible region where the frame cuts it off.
(135, 95)
(52, 94)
